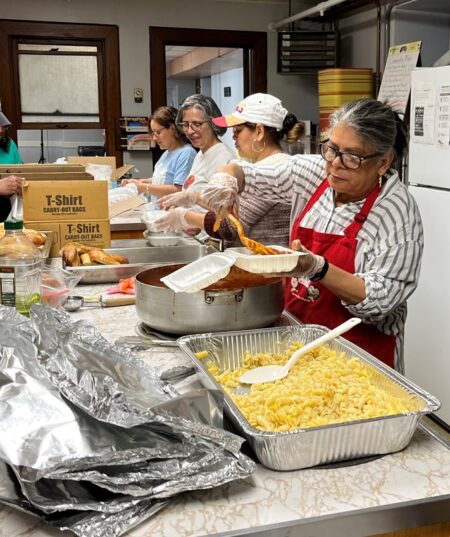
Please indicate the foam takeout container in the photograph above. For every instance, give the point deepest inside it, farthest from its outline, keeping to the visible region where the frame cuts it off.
(266, 264)
(200, 274)
(150, 217)
(206, 271)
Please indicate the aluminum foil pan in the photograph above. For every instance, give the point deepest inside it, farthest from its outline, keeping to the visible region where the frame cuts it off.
(140, 258)
(304, 448)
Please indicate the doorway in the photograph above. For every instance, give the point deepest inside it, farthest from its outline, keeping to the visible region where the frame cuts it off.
(213, 71)
(254, 55)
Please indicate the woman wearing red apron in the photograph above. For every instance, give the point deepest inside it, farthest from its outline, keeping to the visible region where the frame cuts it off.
(313, 303)
(355, 219)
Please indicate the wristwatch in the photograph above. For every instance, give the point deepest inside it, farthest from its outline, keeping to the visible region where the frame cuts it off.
(321, 274)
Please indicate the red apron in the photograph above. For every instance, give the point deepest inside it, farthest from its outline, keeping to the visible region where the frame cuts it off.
(313, 303)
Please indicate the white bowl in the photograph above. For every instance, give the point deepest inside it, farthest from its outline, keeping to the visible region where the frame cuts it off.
(162, 238)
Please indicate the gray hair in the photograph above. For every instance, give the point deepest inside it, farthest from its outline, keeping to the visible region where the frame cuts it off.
(205, 104)
(376, 123)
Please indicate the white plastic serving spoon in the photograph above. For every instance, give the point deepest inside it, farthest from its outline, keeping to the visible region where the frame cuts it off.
(269, 373)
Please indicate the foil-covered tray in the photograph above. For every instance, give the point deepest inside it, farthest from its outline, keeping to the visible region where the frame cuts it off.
(140, 258)
(304, 448)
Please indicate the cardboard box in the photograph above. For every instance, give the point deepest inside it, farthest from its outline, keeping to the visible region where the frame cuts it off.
(125, 205)
(92, 232)
(77, 211)
(17, 169)
(107, 161)
(55, 201)
(117, 173)
(120, 172)
(53, 176)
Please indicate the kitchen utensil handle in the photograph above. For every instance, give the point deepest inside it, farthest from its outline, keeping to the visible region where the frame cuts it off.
(138, 340)
(341, 329)
(91, 301)
(111, 301)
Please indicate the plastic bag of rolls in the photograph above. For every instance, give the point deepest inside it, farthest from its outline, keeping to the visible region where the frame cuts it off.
(75, 254)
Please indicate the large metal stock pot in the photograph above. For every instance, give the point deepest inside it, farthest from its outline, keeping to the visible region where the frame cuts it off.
(240, 301)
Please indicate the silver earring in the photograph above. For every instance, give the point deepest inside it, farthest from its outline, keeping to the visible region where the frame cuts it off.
(380, 180)
(258, 150)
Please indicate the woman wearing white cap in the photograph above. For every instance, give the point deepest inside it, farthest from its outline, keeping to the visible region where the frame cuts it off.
(9, 154)
(259, 124)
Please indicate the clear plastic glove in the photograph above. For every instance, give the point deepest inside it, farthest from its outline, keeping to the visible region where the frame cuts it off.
(308, 265)
(142, 185)
(183, 198)
(221, 194)
(173, 221)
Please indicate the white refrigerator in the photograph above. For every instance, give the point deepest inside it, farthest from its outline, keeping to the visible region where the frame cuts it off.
(427, 331)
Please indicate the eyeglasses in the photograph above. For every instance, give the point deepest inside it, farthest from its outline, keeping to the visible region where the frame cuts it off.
(157, 132)
(349, 161)
(193, 125)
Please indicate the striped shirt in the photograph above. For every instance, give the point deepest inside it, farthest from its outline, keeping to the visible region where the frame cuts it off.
(390, 243)
(264, 220)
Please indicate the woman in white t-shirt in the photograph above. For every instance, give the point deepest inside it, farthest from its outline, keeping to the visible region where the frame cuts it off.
(195, 121)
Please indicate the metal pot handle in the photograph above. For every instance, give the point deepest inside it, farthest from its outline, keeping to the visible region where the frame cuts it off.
(212, 242)
(210, 296)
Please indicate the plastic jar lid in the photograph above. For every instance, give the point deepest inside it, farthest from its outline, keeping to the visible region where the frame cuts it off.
(13, 224)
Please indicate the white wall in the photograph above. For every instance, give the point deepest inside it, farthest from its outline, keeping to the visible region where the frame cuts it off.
(133, 17)
(433, 29)
(358, 34)
(180, 88)
(57, 143)
(234, 78)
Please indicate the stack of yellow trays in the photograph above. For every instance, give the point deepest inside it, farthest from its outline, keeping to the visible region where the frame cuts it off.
(340, 86)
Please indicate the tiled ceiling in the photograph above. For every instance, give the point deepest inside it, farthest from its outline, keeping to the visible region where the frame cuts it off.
(232, 59)
(173, 52)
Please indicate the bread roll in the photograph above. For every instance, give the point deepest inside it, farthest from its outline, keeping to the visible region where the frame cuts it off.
(36, 237)
(99, 256)
(71, 256)
(86, 260)
(121, 259)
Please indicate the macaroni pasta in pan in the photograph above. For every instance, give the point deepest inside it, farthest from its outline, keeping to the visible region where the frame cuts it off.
(323, 388)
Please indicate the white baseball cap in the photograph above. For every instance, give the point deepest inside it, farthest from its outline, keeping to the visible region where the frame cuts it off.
(257, 108)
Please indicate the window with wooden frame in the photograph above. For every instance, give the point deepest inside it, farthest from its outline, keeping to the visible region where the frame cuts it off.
(59, 83)
(61, 76)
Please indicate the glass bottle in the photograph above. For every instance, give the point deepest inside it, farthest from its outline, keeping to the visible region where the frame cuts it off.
(20, 269)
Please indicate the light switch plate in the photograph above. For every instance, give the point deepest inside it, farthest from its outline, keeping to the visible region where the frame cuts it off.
(138, 95)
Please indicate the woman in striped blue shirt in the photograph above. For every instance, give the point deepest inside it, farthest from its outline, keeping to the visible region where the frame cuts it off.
(355, 218)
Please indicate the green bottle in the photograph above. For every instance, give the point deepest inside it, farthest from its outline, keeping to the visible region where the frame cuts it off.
(20, 269)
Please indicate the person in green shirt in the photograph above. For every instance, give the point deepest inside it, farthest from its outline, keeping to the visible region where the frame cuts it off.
(9, 154)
